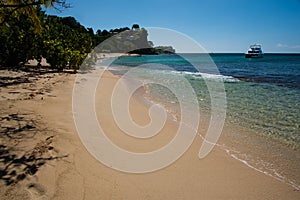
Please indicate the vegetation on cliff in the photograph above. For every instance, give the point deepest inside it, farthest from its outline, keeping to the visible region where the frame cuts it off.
(27, 33)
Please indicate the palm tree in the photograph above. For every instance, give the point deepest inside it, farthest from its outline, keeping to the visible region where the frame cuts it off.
(28, 8)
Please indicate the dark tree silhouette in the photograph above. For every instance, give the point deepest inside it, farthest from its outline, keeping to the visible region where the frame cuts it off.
(28, 7)
(135, 26)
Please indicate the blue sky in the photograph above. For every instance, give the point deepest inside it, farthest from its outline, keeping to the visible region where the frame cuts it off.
(218, 25)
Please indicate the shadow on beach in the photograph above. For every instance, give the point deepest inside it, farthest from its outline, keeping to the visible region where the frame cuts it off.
(16, 164)
(26, 144)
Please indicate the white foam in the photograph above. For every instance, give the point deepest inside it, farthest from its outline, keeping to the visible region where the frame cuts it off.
(276, 175)
(217, 77)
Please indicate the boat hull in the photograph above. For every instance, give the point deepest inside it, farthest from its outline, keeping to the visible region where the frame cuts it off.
(254, 56)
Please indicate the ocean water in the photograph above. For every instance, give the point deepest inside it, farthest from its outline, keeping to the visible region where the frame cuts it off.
(262, 101)
(262, 94)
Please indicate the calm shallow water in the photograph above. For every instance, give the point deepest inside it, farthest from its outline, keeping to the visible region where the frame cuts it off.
(262, 94)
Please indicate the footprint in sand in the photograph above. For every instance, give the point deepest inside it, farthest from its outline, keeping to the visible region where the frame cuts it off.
(36, 190)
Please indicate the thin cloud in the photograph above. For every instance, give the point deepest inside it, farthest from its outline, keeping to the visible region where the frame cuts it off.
(288, 46)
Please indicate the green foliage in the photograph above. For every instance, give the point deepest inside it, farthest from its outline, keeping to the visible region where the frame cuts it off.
(63, 41)
(28, 33)
(135, 26)
(126, 41)
(21, 8)
(17, 41)
(66, 43)
(165, 49)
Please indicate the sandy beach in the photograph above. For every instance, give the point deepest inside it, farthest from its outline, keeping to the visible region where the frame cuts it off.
(42, 156)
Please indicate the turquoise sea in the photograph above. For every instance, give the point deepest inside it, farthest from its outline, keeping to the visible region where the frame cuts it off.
(262, 94)
(262, 98)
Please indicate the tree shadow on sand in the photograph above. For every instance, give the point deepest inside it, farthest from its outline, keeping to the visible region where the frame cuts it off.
(17, 130)
(8, 81)
(27, 75)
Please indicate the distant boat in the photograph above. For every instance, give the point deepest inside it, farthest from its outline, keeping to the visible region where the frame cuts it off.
(254, 51)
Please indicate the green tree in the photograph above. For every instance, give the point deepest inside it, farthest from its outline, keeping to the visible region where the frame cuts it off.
(64, 45)
(18, 41)
(10, 8)
(135, 26)
(63, 41)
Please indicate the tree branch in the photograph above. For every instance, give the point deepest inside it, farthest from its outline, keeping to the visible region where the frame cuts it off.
(8, 15)
(20, 5)
(11, 8)
(36, 3)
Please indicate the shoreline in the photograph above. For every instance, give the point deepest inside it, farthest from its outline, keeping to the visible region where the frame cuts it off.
(259, 152)
(235, 142)
(78, 175)
(240, 150)
(262, 154)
